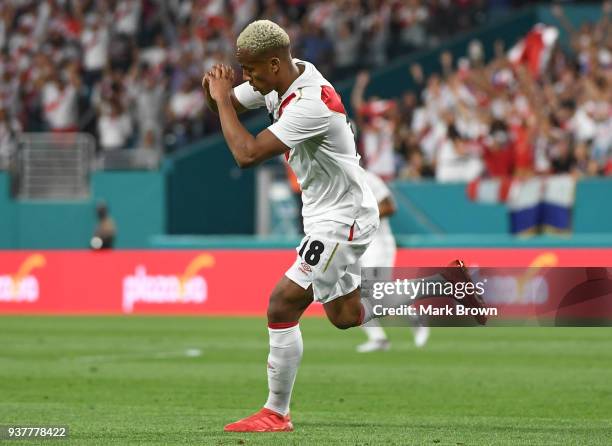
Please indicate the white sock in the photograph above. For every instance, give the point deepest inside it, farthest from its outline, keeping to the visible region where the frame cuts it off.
(397, 300)
(286, 350)
(375, 333)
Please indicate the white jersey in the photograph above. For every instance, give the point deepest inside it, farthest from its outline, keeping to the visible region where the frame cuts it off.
(381, 192)
(382, 249)
(310, 119)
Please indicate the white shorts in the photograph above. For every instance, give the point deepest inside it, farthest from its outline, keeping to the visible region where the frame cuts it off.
(328, 259)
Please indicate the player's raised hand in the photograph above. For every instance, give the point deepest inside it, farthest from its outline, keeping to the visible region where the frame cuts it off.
(227, 72)
(220, 81)
(216, 69)
(205, 81)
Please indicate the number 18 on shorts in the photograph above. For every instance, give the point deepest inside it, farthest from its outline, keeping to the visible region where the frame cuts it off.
(330, 265)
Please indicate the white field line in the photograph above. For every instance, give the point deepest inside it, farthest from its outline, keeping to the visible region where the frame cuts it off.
(188, 353)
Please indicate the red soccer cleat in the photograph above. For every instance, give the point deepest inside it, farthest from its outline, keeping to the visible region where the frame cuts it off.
(457, 272)
(265, 420)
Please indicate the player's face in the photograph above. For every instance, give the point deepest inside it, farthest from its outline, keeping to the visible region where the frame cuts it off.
(259, 72)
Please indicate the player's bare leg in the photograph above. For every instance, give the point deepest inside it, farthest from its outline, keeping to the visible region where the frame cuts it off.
(346, 311)
(287, 303)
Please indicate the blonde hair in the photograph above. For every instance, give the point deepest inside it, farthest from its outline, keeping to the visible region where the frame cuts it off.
(261, 36)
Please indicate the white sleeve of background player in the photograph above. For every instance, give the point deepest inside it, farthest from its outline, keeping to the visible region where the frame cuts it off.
(248, 97)
(378, 186)
(301, 120)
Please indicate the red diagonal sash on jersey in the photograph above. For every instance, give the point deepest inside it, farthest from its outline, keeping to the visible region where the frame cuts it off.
(332, 99)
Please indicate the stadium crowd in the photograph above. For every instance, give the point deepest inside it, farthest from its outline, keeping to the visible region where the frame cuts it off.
(535, 108)
(129, 71)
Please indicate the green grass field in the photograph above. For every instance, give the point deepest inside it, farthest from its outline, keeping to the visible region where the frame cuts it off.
(127, 380)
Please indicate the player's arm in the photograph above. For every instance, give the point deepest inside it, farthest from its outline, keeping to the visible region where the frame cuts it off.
(386, 207)
(248, 150)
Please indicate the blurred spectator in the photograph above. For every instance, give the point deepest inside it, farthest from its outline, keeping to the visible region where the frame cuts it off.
(498, 151)
(94, 40)
(156, 56)
(562, 157)
(121, 52)
(317, 48)
(415, 168)
(114, 127)
(375, 36)
(376, 120)
(9, 87)
(126, 17)
(149, 98)
(110, 88)
(185, 112)
(185, 69)
(409, 25)
(60, 101)
(9, 128)
(346, 47)
(456, 160)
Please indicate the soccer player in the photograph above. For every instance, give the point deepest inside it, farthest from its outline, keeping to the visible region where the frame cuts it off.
(340, 213)
(381, 255)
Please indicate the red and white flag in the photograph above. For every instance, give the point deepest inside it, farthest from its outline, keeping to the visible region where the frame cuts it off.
(535, 48)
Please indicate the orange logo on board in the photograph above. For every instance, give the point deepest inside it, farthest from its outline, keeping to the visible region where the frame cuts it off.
(22, 286)
(190, 287)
